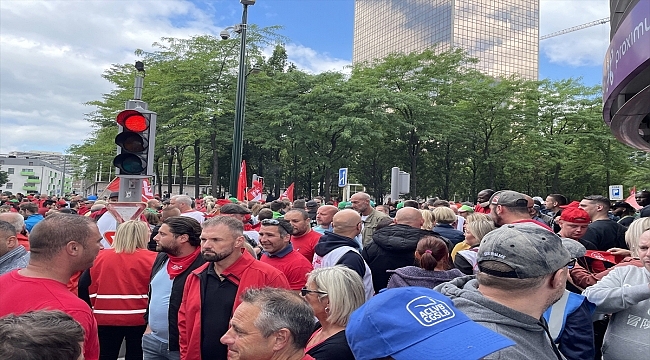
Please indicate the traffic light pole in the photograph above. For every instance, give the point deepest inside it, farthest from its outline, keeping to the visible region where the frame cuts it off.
(238, 134)
(131, 185)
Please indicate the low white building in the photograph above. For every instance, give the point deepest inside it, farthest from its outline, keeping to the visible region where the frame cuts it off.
(34, 176)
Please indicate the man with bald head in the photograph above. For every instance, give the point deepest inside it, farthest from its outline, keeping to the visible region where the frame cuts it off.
(324, 217)
(339, 248)
(393, 246)
(18, 221)
(369, 216)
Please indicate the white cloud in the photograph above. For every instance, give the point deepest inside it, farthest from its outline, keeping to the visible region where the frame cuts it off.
(54, 53)
(585, 47)
(311, 61)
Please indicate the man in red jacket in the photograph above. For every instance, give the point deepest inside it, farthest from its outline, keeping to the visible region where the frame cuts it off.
(212, 291)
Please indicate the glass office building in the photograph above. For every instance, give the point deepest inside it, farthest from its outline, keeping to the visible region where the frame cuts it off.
(502, 34)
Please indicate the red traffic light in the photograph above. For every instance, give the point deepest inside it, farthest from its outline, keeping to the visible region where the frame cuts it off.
(133, 120)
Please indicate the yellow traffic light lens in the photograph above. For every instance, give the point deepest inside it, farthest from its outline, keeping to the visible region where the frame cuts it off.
(131, 142)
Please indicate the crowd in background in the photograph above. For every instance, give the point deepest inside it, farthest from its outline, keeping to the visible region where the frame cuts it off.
(509, 276)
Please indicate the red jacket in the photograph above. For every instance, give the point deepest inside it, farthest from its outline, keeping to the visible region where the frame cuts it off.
(119, 286)
(246, 273)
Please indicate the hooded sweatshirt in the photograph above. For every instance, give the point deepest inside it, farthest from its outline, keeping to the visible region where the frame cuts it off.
(625, 294)
(416, 276)
(392, 247)
(529, 333)
(333, 249)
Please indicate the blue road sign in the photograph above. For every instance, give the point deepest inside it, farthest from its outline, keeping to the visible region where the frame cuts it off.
(343, 177)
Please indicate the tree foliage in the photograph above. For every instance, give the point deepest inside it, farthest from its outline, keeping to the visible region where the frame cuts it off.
(454, 129)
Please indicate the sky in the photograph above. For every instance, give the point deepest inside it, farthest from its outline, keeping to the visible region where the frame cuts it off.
(54, 52)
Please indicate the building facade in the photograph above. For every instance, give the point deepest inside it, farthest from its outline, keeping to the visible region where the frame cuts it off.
(34, 176)
(502, 34)
(626, 73)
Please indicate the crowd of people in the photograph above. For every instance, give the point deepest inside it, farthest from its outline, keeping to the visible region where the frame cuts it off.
(508, 277)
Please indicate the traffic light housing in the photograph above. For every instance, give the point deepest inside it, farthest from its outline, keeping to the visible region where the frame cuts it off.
(135, 142)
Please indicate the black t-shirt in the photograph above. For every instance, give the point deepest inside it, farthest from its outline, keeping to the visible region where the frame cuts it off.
(334, 348)
(626, 221)
(606, 234)
(216, 309)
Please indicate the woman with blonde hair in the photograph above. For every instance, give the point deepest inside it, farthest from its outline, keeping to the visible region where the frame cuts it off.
(333, 293)
(463, 245)
(429, 221)
(116, 287)
(465, 260)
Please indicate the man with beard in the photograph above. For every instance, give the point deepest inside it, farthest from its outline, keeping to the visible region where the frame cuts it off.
(177, 240)
(213, 291)
(522, 271)
(303, 238)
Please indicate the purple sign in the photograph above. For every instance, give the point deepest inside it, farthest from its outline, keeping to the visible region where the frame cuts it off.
(628, 50)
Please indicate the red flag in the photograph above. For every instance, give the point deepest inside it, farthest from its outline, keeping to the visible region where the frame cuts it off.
(632, 201)
(255, 192)
(288, 194)
(113, 185)
(241, 184)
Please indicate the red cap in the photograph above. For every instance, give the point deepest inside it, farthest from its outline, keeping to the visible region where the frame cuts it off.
(573, 204)
(575, 215)
(62, 202)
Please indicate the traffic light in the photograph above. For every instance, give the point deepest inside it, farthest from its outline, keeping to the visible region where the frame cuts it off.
(135, 142)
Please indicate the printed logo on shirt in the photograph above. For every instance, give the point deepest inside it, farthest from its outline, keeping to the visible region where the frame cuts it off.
(428, 311)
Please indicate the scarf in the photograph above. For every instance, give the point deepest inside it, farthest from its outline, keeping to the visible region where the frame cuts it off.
(176, 265)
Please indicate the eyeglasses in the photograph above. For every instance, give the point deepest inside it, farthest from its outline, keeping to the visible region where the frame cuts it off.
(571, 263)
(304, 291)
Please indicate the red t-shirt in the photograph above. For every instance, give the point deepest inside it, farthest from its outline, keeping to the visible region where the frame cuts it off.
(21, 294)
(481, 210)
(293, 265)
(305, 244)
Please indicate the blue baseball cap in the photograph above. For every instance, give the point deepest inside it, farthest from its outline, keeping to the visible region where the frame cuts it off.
(417, 323)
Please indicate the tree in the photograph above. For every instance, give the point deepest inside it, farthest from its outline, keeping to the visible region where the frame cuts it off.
(416, 95)
(4, 177)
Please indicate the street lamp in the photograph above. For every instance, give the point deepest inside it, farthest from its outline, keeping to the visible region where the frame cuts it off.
(240, 99)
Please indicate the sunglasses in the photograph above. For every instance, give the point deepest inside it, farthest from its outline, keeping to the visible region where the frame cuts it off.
(275, 222)
(304, 291)
(571, 263)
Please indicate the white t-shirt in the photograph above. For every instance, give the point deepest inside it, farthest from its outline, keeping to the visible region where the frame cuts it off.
(196, 215)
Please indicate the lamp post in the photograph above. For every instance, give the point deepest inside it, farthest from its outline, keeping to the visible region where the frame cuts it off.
(240, 98)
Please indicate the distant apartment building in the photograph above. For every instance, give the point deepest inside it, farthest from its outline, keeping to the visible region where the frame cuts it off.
(502, 34)
(34, 176)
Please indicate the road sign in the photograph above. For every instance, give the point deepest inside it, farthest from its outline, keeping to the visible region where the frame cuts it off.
(123, 211)
(616, 192)
(343, 177)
